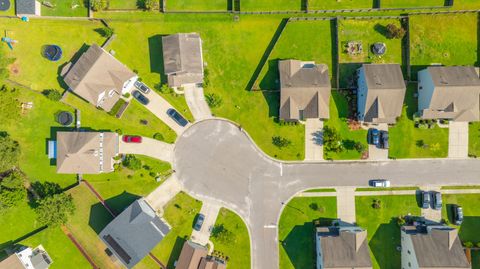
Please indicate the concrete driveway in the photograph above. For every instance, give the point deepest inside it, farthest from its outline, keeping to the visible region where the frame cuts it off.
(346, 204)
(214, 160)
(196, 102)
(149, 147)
(457, 139)
(313, 140)
(210, 210)
(158, 198)
(375, 153)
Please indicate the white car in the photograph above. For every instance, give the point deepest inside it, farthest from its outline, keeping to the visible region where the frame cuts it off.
(380, 183)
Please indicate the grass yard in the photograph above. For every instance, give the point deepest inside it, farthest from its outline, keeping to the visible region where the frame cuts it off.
(466, 4)
(406, 141)
(468, 231)
(123, 4)
(383, 231)
(367, 32)
(335, 4)
(62, 8)
(180, 213)
(338, 120)
(443, 39)
(238, 250)
(474, 139)
(412, 3)
(197, 5)
(270, 5)
(296, 229)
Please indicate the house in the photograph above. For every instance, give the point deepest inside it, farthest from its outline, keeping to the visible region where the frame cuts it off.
(99, 78)
(27, 8)
(432, 246)
(85, 152)
(304, 90)
(380, 93)
(342, 246)
(28, 258)
(134, 233)
(182, 59)
(195, 256)
(449, 92)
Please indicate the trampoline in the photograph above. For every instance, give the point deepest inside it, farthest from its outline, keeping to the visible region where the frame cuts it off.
(379, 48)
(65, 118)
(52, 52)
(4, 5)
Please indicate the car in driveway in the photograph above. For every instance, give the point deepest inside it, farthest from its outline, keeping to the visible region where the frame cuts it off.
(132, 139)
(374, 137)
(457, 214)
(140, 97)
(199, 222)
(437, 200)
(425, 199)
(142, 87)
(384, 139)
(177, 117)
(379, 183)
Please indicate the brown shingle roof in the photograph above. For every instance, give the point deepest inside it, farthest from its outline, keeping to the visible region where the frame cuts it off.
(12, 262)
(191, 256)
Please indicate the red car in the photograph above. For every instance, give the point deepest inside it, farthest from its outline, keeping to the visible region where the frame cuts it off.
(132, 139)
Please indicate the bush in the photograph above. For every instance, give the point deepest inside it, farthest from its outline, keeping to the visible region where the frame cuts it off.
(332, 140)
(149, 4)
(9, 152)
(106, 32)
(126, 95)
(12, 190)
(468, 244)
(223, 235)
(206, 80)
(360, 147)
(280, 142)
(401, 220)
(131, 162)
(158, 136)
(376, 204)
(98, 5)
(395, 32)
(52, 94)
(163, 88)
(213, 100)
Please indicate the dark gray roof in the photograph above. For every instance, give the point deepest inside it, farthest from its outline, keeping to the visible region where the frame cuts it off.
(134, 233)
(384, 76)
(447, 76)
(25, 7)
(304, 86)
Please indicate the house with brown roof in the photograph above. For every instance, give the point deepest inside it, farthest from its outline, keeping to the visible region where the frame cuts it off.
(432, 246)
(195, 256)
(182, 59)
(304, 90)
(99, 78)
(85, 152)
(342, 246)
(28, 258)
(380, 93)
(449, 92)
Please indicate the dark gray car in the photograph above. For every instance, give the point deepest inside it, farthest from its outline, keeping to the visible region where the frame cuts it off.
(425, 199)
(140, 97)
(177, 117)
(142, 87)
(437, 200)
(199, 222)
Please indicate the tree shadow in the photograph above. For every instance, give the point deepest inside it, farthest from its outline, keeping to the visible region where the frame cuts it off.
(12, 243)
(415, 69)
(381, 29)
(386, 255)
(468, 231)
(156, 56)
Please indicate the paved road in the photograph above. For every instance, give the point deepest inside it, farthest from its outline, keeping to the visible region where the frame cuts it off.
(215, 160)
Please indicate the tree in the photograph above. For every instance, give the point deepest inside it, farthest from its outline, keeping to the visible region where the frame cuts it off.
(12, 189)
(280, 142)
(52, 94)
(150, 4)
(131, 162)
(223, 235)
(46, 189)
(213, 100)
(9, 152)
(98, 5)
(55, 210)
(395, 32)
(332, 140)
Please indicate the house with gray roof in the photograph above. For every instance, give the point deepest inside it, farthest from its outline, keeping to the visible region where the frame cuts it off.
(134, 233)
(27, 8)
(432, 246)
(304, 90)
(342, 246)
(182, 59)
(99, 78)
(195, 256)
(85, 152)
(28, 258)
(449, 92)
(380, 93)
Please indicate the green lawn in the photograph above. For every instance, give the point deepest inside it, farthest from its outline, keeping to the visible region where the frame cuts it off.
(197, 5)
(474, 139)
(238, 251)
(388, 189)
(270, 5)
(321, 190)
(466, 4)
(122, 4)
(62, 8)
(180, 213)
(404, 137)
(338, 120)
(335, 4)
(383, 231)
(296, 229)
(471, 220)
(443, 39)
(411, 3)
(367, 32)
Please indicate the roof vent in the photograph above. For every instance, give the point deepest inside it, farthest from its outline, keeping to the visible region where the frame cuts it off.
(443, 80)
(377, 80)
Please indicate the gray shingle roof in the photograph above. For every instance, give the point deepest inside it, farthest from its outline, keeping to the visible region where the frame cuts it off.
(134, 233)
(25, 7)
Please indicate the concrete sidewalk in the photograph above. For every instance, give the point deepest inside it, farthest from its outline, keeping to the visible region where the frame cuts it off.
(210, 211)
(158, 198)
(313, 140)
(196, 102)
(346, 204)
(149, 147)
(457, 139)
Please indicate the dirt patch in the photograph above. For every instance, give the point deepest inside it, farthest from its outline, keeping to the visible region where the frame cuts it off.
(14, 69)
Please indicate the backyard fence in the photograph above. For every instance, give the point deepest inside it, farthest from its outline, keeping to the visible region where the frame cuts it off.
(406, 46)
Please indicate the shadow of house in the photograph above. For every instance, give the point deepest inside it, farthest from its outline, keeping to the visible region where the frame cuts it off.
(73, 60)
(468, 231)
(384, 243)
(156, 56)
(175, 253)
(120, 202)
(348, 75)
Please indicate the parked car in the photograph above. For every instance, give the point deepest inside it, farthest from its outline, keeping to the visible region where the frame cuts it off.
(142, 87)
(140, 97)
(374, 136)
(457, 214)
(437, 200)
(426, 199)
(384, 139)
(381, 183)
(132, 139)
(177, 117)
(199, 222)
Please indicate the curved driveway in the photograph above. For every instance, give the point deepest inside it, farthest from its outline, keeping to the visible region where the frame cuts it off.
(215, 160)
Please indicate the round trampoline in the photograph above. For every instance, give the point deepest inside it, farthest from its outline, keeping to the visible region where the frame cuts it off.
(52, 52)
(65, 118)
(4, 5)
(379, 48)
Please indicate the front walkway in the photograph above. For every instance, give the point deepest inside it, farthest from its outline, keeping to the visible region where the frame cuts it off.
(196, 102)
(158, 198)
(314, 140)
(346, 204)
(149, 147)
(210, 210)
(457, 139)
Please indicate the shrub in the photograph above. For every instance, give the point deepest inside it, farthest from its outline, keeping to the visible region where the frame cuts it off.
(468, 244)
(98, 5)
(52, 94)
(55, 210)
(376, 204)
(222, 234)
(12, 190)
(401, 220)
(107, 32)
(158, 136)
(206, 80)
(149, 4)
(119, 131)
(9, 152)
(313, 206)
(332, 140)
(360, 147)
(395, 32)
(163, 88)
(213, 100)
(280, 142)
(131, 162)
(126, 95)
